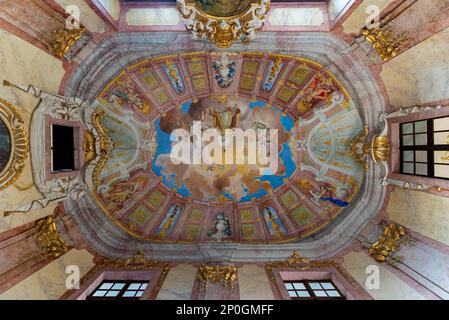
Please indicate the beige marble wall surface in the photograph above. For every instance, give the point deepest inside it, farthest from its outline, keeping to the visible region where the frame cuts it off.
(391, 287)
(419, 75)
(23, 63)
(304, 17)
(112, 7)
(422, 212)
(178, 284)
(253, 283)
(358, 18)
(49, 282)
(88, 17)
(152, 17)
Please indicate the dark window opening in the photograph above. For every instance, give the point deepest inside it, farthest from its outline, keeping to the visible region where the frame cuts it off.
(424, 148)
(63, 148)
(117, 290)
(313, 290)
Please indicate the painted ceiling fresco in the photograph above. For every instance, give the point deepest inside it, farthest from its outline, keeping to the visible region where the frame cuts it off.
(153, 199)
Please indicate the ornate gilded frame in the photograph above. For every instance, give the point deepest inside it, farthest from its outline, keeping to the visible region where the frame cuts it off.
(224, 30)
(19, 144)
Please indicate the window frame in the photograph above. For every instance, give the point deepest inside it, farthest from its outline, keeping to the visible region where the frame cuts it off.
(311, 291)
(75, 148)
(430, 148)
(122, 291)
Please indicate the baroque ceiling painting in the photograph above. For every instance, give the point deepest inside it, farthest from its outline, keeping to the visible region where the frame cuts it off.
(152, 198)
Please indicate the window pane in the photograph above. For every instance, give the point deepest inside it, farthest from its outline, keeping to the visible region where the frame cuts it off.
(320, 293)
(134, 286)
(118, 286)
(112, 294)
(303, 294)
(129, 294)
(421, 126)
(333, 293)
(441, 171)
(421, 156)
(420, 139)
(327, 285)
(421, 169)
(408, 156)
(106, 285)
(99, 293)
(289, 286)
(299, 286)
(144, 286)
(139, 294)
(440, 138)
(441, 157)
(314, 285)
(407, 140)
(408, 168)
(441, 124)
(407, 128)
(292, 294)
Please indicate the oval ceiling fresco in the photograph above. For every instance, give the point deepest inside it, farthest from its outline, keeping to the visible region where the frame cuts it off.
(145, 193)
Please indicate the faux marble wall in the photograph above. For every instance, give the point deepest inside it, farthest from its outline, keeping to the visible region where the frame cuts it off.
(391, 287)
(23, 63)
(419, 75)
(88, 17)
(254, 284)
(112, 7)
(49, 282)
(179, 283)
(153, 16)
(422, 212)
(358, 18)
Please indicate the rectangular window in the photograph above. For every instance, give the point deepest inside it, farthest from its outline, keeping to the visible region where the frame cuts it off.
(425, 148)
(116, 290)
(312, 290)
(63, 148)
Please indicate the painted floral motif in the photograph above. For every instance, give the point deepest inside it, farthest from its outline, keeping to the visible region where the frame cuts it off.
(224, 70)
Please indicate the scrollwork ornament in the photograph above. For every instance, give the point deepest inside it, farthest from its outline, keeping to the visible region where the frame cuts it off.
(18, 144)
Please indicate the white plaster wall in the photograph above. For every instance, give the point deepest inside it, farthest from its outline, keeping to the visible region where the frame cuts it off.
(88, 16)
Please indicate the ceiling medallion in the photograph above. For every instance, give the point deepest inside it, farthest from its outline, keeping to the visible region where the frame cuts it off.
(224, 23)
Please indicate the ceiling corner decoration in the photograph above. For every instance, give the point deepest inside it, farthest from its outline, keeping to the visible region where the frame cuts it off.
(224, 23)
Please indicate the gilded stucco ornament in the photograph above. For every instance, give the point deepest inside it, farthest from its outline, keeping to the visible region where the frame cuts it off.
(14, 161)
(214, 274)
(223, 28)
(67, 43)
(49, 239)
(299, 263)
(383, 41)
(360, 148)
(389, 243)
(137, 262)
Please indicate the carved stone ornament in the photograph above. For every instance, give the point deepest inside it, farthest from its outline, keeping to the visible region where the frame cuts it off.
(224, 26)
(14, 148)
